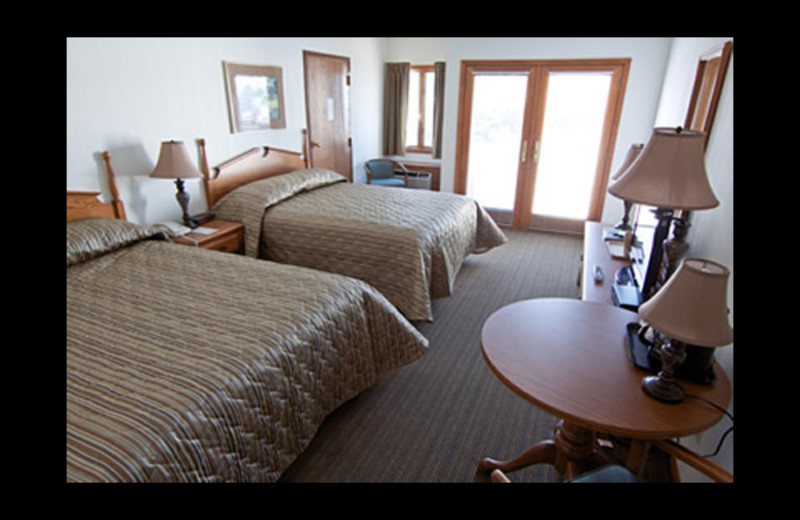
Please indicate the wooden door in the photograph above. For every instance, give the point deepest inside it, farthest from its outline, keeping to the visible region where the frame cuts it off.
(327, 80)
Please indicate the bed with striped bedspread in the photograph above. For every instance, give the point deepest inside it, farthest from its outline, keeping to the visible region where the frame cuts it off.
(191, 365)
(409, 244)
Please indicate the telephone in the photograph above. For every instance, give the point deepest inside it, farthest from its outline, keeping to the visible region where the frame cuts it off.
(175, 229)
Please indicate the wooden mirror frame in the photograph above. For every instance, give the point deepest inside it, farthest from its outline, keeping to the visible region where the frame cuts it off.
(711, 68)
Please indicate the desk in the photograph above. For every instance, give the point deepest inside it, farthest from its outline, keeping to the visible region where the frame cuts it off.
(569, 358)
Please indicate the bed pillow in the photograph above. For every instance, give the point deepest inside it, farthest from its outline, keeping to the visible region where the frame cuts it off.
(87, 239)
(247, 203)
(272, 190)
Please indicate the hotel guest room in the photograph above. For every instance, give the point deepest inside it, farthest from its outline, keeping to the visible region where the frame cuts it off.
(287, 259)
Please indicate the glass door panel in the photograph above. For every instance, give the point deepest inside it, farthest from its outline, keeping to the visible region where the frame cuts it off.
(498, 113)
(571, 142)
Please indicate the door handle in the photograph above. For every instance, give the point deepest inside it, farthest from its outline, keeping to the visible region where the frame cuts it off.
(314, 144)
(524, 153)
(536, 152)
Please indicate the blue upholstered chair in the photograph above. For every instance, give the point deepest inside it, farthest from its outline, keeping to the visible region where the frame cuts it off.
(380, 172)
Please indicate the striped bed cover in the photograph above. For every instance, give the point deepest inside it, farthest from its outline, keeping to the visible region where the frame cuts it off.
(408, 244)
(192, 365)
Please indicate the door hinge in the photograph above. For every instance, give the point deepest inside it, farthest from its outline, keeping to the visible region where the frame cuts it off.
(348, 80)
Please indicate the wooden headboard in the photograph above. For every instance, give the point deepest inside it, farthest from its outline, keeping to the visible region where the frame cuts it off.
(252, 165)
(85, 204)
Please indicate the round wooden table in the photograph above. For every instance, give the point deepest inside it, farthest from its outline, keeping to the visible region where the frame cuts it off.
(569, 358)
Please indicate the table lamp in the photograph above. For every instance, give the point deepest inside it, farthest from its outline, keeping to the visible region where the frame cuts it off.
(633, 153)
(174, 163)
(669, 174)
(691, 308)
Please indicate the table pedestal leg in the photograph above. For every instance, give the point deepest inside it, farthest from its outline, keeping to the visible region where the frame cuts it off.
(572, 452)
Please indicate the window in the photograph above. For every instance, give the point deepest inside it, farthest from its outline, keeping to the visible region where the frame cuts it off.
(419, 123)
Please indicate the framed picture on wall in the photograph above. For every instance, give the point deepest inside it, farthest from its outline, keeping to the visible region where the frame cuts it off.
(255, 97)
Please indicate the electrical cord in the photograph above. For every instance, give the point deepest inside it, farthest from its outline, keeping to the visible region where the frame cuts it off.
(727, 432)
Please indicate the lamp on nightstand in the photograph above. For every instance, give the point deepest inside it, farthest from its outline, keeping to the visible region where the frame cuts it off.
(691, 308)
(174, 163)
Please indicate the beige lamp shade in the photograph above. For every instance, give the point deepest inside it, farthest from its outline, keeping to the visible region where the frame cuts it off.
(174, 162)
(631, 156)
(692, 306)
(669, 173)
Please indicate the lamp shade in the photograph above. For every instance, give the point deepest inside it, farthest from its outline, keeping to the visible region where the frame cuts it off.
(174, 162)
(692, 305)
(669, 173)
(633, 153)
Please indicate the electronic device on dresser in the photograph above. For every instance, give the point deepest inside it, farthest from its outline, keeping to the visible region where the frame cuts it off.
(636, 282)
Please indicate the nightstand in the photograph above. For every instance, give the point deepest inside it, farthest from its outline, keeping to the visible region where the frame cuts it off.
(228, 237)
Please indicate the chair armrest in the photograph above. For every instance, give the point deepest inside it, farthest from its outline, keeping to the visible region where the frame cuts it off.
(405, 170)
(694, 460)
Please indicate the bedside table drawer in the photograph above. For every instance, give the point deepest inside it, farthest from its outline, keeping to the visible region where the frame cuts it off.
(227, 244)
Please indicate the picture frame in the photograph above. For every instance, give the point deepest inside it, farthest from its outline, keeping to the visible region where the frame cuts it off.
(255, 97)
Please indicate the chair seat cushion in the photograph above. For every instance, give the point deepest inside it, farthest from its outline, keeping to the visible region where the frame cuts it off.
(389, 182)
(609, 473)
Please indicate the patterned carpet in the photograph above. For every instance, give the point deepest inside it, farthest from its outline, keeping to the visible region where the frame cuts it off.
(434, 420)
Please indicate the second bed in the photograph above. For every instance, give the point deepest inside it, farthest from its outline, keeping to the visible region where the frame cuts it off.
(408, 244)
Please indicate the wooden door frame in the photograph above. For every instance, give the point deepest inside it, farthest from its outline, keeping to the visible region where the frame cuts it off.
(533, 129)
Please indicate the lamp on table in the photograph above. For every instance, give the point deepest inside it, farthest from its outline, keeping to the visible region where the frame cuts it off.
(669, 174)
(691, 308)
(633, 153)
(174, 163)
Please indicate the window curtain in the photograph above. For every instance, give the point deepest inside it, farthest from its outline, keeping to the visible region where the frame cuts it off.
(438, 109)
(395, 108)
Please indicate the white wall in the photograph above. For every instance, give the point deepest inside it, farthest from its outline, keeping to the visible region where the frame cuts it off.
(417, 51)
(127, 95)
(711, 233)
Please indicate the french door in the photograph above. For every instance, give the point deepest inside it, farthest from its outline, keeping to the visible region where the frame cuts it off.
(536, 138)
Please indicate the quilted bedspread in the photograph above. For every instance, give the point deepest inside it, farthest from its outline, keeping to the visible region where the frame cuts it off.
(409, 244)
(192, 365)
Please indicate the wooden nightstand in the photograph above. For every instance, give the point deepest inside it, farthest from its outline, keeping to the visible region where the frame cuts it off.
(228, 238)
